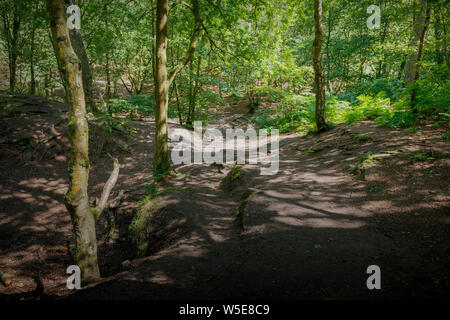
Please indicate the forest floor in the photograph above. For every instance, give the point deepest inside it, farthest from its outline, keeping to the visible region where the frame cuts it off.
(308, 232)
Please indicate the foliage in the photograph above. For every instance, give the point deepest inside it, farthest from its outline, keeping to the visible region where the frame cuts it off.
(137, 231)
(377, 87)
(296, 112)
(110, 123)
(368, 108)
(247, 50)
(138, 103)
(397, 119)
(363, 137)
(236, 172)
(432, 90)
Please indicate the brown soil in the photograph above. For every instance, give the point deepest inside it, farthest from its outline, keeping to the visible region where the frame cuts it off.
(310, 231)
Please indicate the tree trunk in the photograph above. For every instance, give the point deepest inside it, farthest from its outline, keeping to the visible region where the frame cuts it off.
(83, 220)
(107, 70)
(444, 29)
(177, 96)
(192, 46)
(80, 50)
(14, 46)
(328, 51)
(380, 69)
(318, 76)
(163, 80)
(419, 23)
(11, 32)
(33, 78)
(439, 57)
(46, 83)
(161, 162)
(194, 88)
(153, 50)
(108, 79)
(420, 58)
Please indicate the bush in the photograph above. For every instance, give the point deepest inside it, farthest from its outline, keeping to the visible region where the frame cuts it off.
(368, 108)
(140, 103)
(293, 112)
(397, 119)
(433, 89)
(297, 112)
(273, 94)
(337, 110)
(391, 89)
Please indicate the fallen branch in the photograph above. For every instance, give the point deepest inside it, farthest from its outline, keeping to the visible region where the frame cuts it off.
(109, 185)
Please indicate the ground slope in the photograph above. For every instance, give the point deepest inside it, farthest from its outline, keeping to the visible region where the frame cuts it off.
(341, 201)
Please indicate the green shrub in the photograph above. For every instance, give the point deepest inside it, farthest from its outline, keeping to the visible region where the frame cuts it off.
(446, 136)
(368, 108)
(398, 119)
(433, 89)
(293, 112)
(141, 103)
(273, 94)
(388, 88)
(336, 110)
(363, 137)
(110, 123)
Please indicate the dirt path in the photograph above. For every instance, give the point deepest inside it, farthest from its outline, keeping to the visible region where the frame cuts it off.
(310, 231)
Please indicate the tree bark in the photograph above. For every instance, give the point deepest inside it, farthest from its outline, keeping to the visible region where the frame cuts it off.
(420, 58)
(328, 82)
(192, 46)
(76, 200)
(78, 46)
(11, 27)
(419, 22)
(33, 78)
(444, 29)
(439, 56)
(318, 76)
(380, 69)
(161, 162)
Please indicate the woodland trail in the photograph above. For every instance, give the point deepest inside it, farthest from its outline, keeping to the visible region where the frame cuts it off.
(309, 231)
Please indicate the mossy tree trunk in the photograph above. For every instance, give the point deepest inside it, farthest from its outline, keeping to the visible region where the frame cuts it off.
(83, 220)
(319, 87)
(163, 79)
(78, 46)
(161, 160)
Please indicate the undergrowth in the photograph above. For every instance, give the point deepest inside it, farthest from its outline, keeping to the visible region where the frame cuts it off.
(383, 101)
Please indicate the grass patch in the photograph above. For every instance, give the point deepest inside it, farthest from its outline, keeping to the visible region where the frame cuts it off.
(427, 155)
(410, 130)
(366, 161)
(137, 231)
(315, 149)
(446, 136)
(363, 137)
(236, 172)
